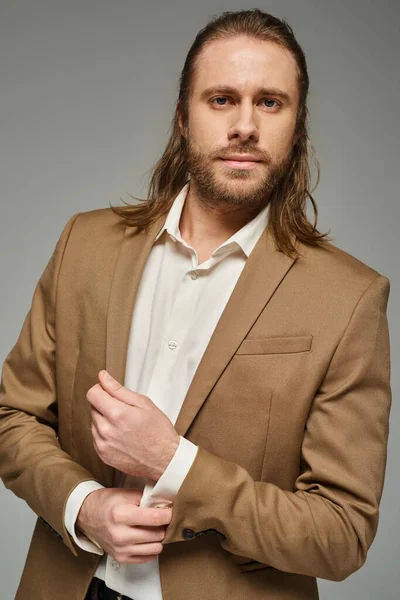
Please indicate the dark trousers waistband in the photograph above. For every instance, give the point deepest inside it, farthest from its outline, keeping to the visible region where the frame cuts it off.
(99, 591)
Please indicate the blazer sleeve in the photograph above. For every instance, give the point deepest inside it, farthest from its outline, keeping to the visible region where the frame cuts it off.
(325, 525)
(32, 463)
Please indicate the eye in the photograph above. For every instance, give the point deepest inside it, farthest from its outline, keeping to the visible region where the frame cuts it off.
(220, 100)
(269, 100)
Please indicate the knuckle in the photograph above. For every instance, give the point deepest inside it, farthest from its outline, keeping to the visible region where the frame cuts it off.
(103, 428)
(123, 514)
(116, 538)
(115, 513)
(113, 536)
(115, 413)
(101, 444)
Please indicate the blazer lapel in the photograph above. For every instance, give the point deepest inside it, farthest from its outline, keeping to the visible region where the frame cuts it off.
(134, 252)
(264, 270)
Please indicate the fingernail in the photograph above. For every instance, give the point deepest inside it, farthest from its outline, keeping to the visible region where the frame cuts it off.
(107, 375)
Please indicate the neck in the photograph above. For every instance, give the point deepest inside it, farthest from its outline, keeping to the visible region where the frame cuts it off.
(202, 225)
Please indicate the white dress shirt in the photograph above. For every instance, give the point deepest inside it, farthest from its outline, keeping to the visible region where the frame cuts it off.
(178, 305)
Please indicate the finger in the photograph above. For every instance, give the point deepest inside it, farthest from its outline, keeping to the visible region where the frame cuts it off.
(120, 392)
(100, 400)
(100, 445)
(150, 517)
(145, 549)
(95, 439)
(100, 425)
(147, 535)
(132, 554)
(137, 559)
(125, 538)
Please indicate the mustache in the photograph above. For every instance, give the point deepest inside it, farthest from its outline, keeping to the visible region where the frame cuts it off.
(261, 155)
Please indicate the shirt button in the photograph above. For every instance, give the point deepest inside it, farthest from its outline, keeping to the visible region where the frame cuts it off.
(115, 565)
(194, 274)
(188, 534)
(172, 345)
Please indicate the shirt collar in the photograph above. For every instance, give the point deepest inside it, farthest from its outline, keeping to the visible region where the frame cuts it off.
(171, 224)
(246, 237)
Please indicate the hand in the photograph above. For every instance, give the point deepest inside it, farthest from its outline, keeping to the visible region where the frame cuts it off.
(130, 433)
(130, 534)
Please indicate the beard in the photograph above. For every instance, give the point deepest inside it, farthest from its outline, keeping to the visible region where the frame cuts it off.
(234, 189)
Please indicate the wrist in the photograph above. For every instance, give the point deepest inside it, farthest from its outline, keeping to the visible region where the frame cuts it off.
(85, 510)
(168, 456)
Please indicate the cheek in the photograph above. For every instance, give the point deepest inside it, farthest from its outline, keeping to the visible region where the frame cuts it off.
(206, 132)
(279, 141)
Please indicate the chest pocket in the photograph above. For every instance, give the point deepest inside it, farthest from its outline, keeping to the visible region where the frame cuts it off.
(276, 345)
(253, 566)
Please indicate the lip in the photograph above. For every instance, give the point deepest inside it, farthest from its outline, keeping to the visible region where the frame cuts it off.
(241, 158)
(241, 161)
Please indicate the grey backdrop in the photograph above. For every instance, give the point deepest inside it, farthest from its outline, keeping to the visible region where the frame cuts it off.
(87, 94)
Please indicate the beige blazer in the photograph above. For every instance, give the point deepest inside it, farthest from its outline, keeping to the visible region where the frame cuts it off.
(289, 407)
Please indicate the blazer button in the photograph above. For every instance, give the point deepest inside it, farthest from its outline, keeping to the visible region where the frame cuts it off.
(188, 534)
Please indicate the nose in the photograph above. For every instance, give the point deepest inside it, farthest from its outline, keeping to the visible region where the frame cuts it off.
(244, 126)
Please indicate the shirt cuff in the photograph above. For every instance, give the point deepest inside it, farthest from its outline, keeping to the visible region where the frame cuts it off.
(72, 509)
(163, 492)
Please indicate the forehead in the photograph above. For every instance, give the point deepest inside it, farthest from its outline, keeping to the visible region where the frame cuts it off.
(246, 63)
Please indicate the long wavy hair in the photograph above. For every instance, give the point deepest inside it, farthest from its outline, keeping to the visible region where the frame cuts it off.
(288, 202)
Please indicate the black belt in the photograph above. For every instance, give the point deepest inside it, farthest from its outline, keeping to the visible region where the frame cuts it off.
(99, 591)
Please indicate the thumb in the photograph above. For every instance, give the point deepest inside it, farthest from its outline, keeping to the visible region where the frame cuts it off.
(117, 390)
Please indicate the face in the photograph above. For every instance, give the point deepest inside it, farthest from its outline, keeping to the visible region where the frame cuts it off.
(241, 127)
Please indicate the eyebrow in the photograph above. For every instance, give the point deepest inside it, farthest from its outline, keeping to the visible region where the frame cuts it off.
(226, 89)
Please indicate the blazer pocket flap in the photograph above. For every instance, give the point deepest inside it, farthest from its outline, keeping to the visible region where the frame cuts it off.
(276, 345)
(253, 566)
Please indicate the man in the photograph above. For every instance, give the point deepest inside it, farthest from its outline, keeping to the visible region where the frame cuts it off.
(197, 405)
